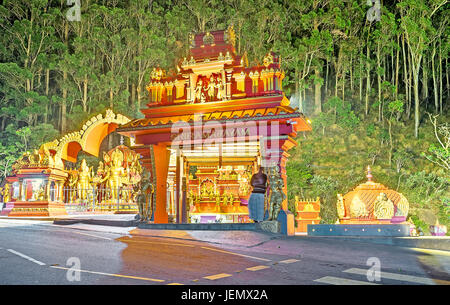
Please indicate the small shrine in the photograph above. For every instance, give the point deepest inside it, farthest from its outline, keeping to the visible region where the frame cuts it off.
(219, 194)
(371, 209)
(307, 212)
(372, 203)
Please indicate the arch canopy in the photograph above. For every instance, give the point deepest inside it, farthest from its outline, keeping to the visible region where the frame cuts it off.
(88, 138)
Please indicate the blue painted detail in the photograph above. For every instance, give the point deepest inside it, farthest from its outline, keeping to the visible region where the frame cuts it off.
(283, 219)
(266, 215)
(391, 230)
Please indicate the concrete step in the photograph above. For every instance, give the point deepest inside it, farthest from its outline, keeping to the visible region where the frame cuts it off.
(199, 226)
(99, 222)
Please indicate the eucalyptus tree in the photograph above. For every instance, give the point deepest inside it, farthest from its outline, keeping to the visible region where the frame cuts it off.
(416, 22)
(29, 36)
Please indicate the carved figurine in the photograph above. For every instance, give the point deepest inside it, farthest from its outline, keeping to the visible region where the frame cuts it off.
(211, 88)
(199, 95)
(220, 90)
(383, 207)
(145, 196)
(115, 175)
(277, 195)
(83, 181)
(6, 193)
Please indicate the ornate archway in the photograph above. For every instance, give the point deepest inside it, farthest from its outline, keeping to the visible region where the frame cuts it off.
(88, 138)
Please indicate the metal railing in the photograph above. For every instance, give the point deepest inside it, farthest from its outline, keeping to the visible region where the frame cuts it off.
(98, 199)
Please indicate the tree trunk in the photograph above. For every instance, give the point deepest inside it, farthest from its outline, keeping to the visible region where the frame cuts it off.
(397, 68)
(85, 97)
(435, 89)
(416, 69)
(47, 86)
(133, 97)
(360, 79)
(405, 69)
(424, 79)
(138, 99)
(379, 83)
(64, 91)
(318, 92)
(367, 80)
(441, 92)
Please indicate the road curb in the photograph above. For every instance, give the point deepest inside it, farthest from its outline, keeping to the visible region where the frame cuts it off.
(98, 222)
(426, 242)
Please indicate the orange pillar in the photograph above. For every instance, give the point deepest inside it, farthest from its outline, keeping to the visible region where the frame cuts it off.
(161, 159)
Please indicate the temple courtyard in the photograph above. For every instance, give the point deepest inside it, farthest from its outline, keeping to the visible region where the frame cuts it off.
(43, 252)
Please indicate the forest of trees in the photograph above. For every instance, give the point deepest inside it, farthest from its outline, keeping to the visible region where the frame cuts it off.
(345, 69)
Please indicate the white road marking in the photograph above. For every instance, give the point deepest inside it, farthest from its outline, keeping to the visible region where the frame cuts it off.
(256, 268)
(26, 257)
(341, 281)
(68, 230)
(110, 274)
(289, 261)
(395, 276)
(238, 254)
(97, 236)
(217, 276)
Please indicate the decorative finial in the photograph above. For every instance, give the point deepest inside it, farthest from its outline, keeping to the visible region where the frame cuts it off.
(121, 140)
(369, 173)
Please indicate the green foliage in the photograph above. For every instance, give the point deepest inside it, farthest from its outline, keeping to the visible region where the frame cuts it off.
(425, 188)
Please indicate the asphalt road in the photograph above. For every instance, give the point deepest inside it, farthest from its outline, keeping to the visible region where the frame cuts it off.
(42, 253)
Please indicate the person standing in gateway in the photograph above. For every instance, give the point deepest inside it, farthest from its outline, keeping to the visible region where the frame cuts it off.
(256, 201)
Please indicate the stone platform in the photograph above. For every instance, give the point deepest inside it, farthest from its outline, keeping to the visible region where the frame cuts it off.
(198, 226)
(391, 230)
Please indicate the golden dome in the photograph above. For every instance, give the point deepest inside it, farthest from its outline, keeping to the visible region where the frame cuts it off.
(372, 202)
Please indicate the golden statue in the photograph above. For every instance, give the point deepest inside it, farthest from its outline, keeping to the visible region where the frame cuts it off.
(358, 208)
(6, 193)
(100, 175)
(116, 174)
(211, 88)
(40, 194)
(199, 96)
(225, 198)
(402, 206)
(83, 181)
(203, 193)
(383, 207)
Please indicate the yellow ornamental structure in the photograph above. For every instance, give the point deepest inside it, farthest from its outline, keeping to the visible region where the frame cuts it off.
(372, 203)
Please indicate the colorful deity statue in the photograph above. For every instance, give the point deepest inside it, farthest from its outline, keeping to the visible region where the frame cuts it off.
(6, 193)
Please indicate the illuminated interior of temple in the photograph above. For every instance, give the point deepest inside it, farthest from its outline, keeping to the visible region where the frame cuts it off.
(217, 181)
